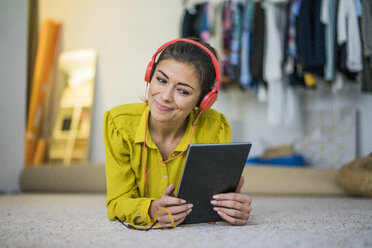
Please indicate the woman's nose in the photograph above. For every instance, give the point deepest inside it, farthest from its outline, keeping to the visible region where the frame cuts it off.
(167, 94)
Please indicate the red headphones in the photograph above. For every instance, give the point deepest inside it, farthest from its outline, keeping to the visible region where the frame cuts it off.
(210, 98)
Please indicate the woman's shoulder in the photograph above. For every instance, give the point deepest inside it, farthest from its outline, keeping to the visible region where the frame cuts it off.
(213, 115)
(125, 118)
(213, 127)
(131, 109)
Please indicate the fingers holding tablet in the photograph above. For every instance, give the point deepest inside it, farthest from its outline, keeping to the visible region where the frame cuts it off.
(178, 208)
(234, 208)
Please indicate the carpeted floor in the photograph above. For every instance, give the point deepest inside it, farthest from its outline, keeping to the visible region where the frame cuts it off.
(79, 220)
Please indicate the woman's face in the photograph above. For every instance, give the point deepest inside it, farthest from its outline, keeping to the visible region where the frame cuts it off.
(174, 91)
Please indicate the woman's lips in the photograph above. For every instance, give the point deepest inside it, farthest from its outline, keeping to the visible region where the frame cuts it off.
(162, 107)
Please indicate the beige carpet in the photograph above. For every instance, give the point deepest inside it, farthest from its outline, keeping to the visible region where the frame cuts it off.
(79, 220)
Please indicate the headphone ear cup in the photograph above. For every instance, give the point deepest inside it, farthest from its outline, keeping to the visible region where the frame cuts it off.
(153, 70)
(149, 71)
(208, 100)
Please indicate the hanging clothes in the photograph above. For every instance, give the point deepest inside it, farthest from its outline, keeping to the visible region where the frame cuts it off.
(366, 76)
(310, 37)
(215, 20)
(275, 22)
(348, 35)
(234, 69)
(257, 37)
(264, 46)
(226, 37)
(290, 46)
(292, 66)
(189, 18)
(328, 15)
(245, 73)
(204, 23)
(366, 29)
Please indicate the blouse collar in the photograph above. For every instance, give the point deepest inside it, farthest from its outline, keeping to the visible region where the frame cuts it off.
(140, 133)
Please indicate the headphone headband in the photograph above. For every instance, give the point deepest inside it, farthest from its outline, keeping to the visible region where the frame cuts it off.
(209, 99)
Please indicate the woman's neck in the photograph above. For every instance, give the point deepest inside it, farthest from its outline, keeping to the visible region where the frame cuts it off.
(167, 130)
(167, 135)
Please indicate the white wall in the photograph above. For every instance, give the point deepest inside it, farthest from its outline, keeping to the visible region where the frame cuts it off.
(13, 71)
(127, 33)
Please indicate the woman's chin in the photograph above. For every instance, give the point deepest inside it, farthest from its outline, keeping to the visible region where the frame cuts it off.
(160, 116)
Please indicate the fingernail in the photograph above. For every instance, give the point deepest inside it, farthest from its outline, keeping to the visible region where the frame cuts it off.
(216, 209)
(213, 202)
(183, 201)
(216, 197)
(190, 205)
(189, 211)
(220, 213)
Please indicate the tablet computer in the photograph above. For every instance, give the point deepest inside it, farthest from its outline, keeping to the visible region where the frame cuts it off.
(210, 169)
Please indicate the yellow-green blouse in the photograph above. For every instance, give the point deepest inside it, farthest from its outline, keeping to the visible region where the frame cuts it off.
(123, 131)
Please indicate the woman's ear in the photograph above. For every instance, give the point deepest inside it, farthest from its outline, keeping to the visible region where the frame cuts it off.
(202, 95)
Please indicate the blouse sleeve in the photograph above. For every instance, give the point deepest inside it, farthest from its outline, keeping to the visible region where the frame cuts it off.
(224, 135)
(122, 198)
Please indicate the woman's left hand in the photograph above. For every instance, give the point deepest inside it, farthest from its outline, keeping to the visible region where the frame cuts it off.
(235, 207)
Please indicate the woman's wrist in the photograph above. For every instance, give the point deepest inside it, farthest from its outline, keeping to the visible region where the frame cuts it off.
(153, 208)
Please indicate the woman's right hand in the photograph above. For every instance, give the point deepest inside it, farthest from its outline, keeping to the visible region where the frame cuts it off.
(176, 206)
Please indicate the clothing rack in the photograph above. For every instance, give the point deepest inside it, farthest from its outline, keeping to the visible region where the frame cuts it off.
(187, 2)
(281, 68)
(283, 36)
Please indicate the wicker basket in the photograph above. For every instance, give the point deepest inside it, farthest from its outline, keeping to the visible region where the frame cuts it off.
(356, 177)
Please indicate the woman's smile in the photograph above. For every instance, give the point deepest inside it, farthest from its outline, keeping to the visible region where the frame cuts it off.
(162, 107)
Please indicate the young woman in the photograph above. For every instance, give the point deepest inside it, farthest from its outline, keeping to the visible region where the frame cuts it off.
(144, 142)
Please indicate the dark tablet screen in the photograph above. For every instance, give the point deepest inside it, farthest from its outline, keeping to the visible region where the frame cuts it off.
(210, 169)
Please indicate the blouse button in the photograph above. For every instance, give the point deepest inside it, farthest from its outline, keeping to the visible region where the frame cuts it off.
(165, 177)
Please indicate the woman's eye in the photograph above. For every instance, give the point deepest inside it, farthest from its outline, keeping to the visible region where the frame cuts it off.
(161, 80)
(183, 92)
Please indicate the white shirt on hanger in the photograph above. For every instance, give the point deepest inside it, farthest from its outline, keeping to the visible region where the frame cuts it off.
(348, 31)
